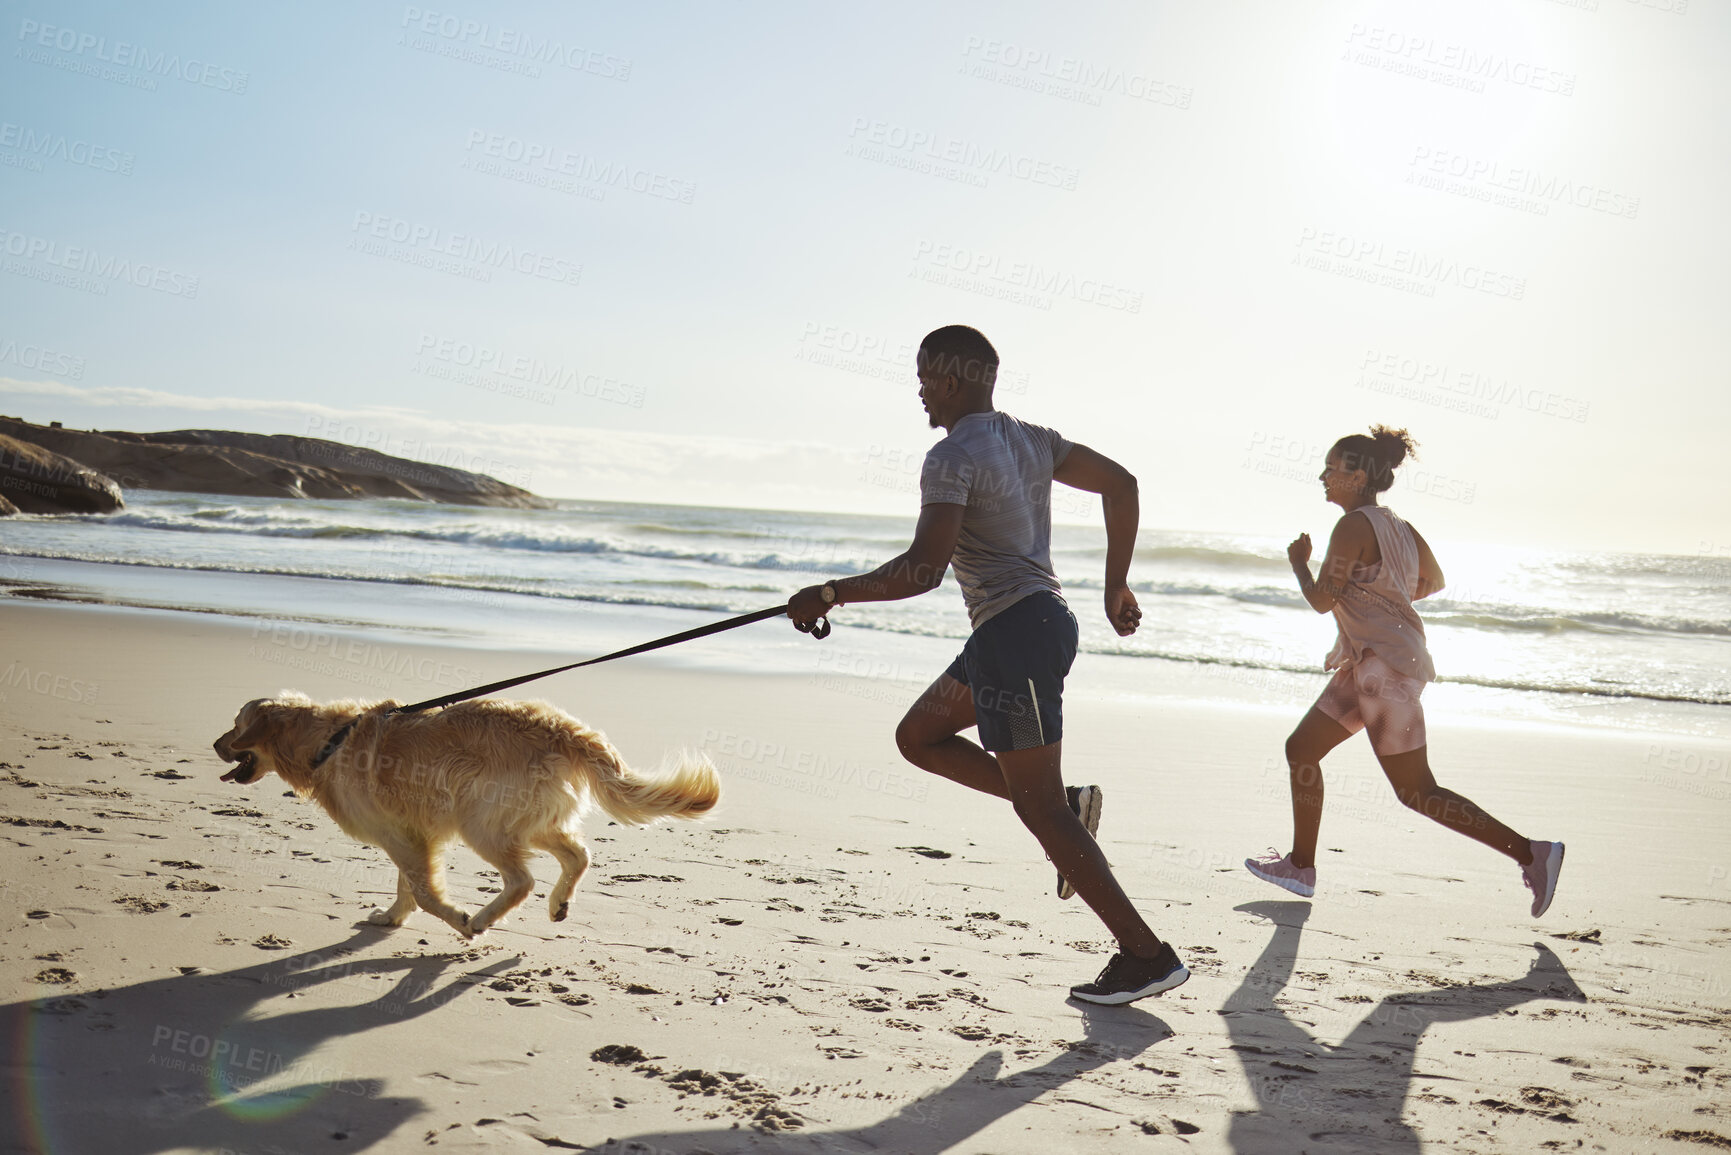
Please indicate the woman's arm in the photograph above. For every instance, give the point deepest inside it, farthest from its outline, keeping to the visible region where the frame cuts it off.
(1430, 574)
(1351, 544)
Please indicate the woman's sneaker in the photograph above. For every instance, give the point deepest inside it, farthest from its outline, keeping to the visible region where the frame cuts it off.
(1540, 874)
(1085, 804)
(1128, 978)
(1277, 868)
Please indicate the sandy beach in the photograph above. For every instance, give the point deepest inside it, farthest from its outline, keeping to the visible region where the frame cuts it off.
(849, 956)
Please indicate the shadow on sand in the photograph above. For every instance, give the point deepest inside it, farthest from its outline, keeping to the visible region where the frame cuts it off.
(197, 1061)
(1317, 1098)
(974, 1100)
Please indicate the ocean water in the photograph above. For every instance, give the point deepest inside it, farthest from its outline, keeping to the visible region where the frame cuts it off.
(1607, 635)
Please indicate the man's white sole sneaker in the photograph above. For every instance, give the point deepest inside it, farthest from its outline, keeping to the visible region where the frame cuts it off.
(1085, 802)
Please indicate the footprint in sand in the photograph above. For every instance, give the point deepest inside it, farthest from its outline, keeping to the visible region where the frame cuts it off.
(139, 905)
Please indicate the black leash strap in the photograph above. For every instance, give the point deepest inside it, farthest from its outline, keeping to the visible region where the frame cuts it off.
(818, 629)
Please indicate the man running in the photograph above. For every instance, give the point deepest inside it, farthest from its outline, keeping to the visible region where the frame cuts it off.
(985, 508)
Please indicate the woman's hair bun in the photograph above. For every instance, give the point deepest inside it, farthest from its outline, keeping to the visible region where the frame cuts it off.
(1393, 446)
(1378, 454)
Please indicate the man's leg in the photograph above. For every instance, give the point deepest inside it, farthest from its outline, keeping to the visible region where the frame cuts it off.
(929, 737)
(1035, 787)
(1033, 783)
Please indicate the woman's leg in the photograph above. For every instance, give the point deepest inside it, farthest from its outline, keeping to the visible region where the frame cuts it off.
(1315, 736)
(1413, 784)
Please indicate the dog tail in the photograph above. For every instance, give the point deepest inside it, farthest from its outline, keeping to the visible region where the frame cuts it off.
(689, 790)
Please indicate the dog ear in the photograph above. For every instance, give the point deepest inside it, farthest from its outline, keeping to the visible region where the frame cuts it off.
(250, 736)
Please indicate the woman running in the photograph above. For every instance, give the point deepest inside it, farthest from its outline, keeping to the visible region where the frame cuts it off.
(1377, 566)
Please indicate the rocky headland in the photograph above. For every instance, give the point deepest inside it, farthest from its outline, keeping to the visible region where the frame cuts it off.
(51, 469)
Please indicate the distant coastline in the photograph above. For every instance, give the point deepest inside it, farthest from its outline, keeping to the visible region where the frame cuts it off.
(52, 469)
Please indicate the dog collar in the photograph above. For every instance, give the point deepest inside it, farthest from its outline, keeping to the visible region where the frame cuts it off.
(331, 743)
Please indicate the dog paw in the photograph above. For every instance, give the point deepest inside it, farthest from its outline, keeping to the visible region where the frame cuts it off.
(382, 918)
(560, 914)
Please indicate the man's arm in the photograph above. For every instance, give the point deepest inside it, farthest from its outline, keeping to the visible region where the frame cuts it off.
(1084, 469)
(915, 570)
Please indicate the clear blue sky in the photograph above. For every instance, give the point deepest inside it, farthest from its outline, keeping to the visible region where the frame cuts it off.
(681, 252)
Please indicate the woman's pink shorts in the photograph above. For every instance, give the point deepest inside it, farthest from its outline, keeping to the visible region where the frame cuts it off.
(1369, 695)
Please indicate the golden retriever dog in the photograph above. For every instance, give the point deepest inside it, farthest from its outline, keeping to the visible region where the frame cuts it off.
(508, 778)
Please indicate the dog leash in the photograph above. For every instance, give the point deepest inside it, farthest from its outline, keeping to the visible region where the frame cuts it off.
(818, 629)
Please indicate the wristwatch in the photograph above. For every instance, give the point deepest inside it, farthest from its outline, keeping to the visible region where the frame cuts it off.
(827, 593)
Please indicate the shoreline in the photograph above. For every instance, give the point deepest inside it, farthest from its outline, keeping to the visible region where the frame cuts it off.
(296, 612)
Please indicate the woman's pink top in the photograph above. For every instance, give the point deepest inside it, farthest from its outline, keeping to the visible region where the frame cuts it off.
(1374, 611)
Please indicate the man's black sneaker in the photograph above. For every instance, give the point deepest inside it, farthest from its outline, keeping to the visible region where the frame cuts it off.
(1084, 804)
(1128, 978)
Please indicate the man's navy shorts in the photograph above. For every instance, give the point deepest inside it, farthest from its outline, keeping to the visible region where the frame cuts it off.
(1015, 666)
